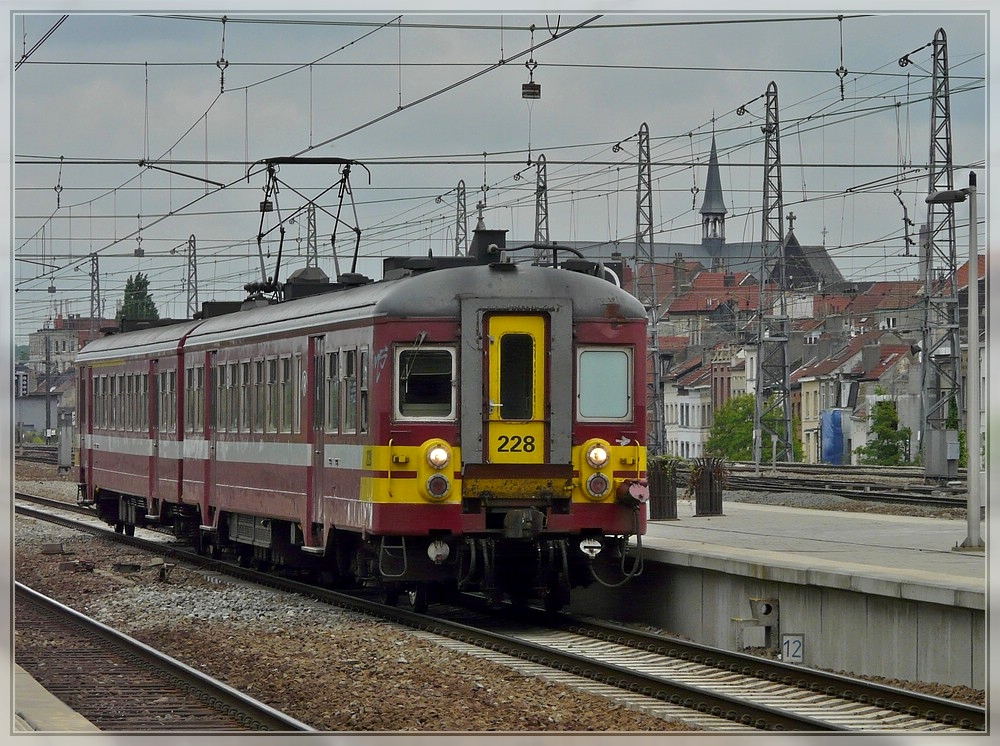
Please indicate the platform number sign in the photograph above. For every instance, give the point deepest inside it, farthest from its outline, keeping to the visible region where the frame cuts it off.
(793, 648)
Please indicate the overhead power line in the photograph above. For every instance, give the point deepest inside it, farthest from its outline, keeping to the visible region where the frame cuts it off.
(39, 43)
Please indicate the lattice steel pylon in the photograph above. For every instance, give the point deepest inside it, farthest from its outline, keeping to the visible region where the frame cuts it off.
(644, 288)
(191, 279)
(772, 413)
(312, 246)
(95, 294)
(542, 255)
(940, 371)
(461, 221)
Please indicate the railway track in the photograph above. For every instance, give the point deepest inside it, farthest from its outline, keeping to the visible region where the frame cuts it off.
(39, 453)
(899, 485)
(120, 684)
(717, 689)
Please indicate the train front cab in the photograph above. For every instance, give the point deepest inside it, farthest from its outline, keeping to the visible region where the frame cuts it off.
(553, 460)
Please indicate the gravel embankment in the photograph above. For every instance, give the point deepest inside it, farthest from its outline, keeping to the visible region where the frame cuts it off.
(332, 669)
(335, 670)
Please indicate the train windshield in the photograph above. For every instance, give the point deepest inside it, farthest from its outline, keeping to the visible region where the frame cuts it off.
(424, 385)
(604, 380)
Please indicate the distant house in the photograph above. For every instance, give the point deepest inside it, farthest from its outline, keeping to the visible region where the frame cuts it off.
(893, 376)
(838, 391)
(687, 406)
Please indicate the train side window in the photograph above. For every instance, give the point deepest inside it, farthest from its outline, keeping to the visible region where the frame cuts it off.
(194, 399)
(332, 393)
(287, 394)
(517, 363)
(350, 391)
(113, 403)
(363, 395)
(164, 422)
(245, 400)
(81, 393)
(189, 399)
(259, 400)
(318, 393)
(604, 384)
(100, 404)
(424, 383)
(120, 415)
(128, 421)
(221, 402)
(199, 414)
(233, 396)
(144, 401)
(273, 402)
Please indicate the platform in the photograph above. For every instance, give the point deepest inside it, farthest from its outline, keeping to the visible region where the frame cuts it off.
(861, 592)
(38, 710)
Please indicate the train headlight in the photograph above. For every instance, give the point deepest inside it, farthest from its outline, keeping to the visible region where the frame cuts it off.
(438, 456)
(598, 456)
(598, 485)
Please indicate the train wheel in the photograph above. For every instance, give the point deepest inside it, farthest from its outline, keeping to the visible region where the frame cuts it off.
(119, 527)
(389, 595)
(130, 529)
(558, 595)
(417, 596)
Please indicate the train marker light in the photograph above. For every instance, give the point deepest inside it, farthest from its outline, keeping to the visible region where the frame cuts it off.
(438, 486)
(598, 485)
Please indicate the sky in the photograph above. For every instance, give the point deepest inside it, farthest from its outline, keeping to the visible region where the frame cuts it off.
(135, 135)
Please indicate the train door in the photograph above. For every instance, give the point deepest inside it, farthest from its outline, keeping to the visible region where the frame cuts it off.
(515, 426)
(211, 406)
(315, 382)
(153, 429)
(85, 423)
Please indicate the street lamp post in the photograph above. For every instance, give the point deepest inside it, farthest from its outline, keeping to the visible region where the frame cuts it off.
(973, 541)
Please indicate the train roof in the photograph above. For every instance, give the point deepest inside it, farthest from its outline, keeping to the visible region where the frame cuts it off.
(151, 341)
(431, 294)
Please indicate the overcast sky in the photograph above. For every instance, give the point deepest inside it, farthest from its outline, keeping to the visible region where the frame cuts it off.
(422, 104)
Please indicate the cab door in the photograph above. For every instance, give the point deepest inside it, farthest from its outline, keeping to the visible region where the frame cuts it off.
(515, 425)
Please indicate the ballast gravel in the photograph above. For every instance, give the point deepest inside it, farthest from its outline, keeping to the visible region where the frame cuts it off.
(332, 669)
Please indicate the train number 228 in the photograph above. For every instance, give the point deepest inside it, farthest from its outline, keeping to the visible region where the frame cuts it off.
(516, 444)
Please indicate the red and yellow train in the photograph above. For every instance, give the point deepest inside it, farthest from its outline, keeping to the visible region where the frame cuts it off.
(463, 423)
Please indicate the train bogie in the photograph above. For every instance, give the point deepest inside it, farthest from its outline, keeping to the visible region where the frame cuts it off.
(478, 426)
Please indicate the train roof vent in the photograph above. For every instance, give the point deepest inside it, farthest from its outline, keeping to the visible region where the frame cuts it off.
(351, 279)
(304, 282)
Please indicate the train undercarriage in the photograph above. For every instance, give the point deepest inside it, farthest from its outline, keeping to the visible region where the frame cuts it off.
(512, 563)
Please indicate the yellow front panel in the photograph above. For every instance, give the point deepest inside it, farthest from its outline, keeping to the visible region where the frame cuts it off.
(515, 428)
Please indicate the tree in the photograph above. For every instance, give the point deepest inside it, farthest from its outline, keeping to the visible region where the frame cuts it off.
(731, 434)
(138, 303)
(890, 443)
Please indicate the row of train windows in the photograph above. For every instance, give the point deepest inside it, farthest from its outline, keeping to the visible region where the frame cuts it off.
(262, 396)
(265, 395)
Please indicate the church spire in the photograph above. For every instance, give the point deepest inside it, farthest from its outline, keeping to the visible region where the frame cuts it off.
(713, 209)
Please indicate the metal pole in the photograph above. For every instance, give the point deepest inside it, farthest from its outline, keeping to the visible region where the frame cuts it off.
(974, 540)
